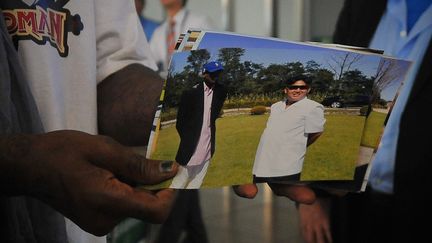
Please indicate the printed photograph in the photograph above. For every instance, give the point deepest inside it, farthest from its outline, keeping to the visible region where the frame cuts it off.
(389, 77)
(241, 115)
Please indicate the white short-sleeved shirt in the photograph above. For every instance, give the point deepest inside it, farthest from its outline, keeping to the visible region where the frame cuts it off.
(282, 146)
(66, 48)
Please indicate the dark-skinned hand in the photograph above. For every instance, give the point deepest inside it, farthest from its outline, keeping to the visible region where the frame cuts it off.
(78, 175)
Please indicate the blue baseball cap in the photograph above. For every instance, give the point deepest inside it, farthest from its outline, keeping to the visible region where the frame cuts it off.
(211, 67)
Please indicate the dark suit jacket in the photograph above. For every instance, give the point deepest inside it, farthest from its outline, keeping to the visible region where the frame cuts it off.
(190, 119)
(413, 179)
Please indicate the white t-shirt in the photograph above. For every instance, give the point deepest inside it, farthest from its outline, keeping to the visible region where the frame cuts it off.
(184, 20)
(282, 146)
(66, 51)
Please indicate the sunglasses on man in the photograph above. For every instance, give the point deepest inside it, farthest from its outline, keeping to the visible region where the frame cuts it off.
(301, 87)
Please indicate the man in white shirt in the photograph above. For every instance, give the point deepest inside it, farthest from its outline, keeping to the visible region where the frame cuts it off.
(178, 21)
(293, 125)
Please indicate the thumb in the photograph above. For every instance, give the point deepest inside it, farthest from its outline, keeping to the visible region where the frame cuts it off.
(123, 161)
(297, 193)
(145, 171)
(152, 171)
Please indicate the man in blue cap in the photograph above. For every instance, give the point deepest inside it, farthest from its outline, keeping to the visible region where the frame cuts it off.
(196, 118)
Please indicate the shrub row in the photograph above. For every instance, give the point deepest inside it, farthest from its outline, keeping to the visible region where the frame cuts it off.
(258, 110)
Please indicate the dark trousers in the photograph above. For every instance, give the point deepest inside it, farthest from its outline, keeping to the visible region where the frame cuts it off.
(277, 179)
(185, 220)
(367, 217)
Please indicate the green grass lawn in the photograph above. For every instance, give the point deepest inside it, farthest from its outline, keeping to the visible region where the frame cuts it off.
(332, 157)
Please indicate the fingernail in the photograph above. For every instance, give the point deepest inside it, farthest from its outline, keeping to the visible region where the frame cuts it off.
(166, 166)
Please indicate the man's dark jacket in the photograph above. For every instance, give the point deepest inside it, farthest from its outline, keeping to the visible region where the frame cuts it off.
(413, 167)
(190, 119)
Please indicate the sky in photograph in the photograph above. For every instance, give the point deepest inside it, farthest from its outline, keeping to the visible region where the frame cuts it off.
(266, 51)
(367, 64)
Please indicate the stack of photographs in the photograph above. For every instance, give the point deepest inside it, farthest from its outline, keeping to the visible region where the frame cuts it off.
(255, 128)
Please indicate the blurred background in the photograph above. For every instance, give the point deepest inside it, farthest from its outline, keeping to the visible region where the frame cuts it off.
(297, 20)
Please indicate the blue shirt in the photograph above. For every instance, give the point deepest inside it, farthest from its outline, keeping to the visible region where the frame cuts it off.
(396, 39)
(149, 26)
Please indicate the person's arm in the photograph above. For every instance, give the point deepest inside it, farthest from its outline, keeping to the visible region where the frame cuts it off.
(312, 137)
(128, 89)
(314, 124)
(78, 175)
(181, 118)
(127, 101)
(315, 221)
(221, 97)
